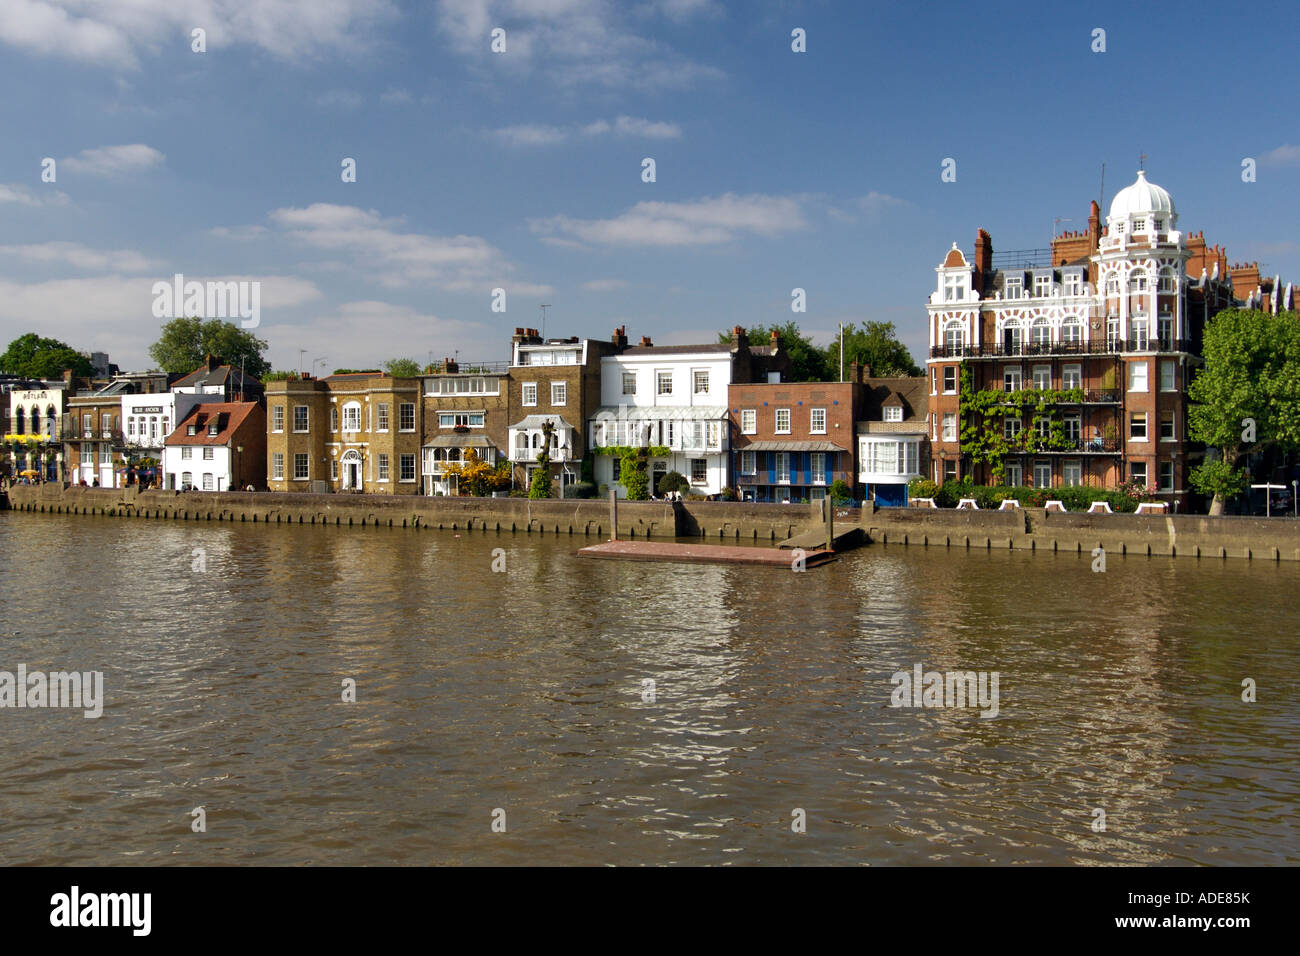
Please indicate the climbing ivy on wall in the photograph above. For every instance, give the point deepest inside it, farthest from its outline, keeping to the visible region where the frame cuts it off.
(983, 414)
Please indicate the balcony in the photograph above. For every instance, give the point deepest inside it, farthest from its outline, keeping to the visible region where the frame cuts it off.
(1063, 349)
(526, 455)
(1079, 446)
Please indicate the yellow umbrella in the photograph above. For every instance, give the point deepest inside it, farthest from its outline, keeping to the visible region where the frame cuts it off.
(29, 472)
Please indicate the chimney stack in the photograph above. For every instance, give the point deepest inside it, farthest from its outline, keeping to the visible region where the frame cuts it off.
(775, 339)
(1094, 226)
(739, 338)
(645, 341)
(983, 260)
(619, 338)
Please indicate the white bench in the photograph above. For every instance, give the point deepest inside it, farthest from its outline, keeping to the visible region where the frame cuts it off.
(922, 503)
(1100, 508)
(967, 504)
(1009, 504)
(1153, 508)
(1055, 506)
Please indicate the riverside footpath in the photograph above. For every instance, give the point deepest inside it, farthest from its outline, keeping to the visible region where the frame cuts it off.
(1184, 536)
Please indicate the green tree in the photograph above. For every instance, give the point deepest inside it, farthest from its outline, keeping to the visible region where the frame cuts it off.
(808, 361)
(33, 356)
(185, 342)
(540, 486)
(875, 344)
(403, 368)
(1247, 397)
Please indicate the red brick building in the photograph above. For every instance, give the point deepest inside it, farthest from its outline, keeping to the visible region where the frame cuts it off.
(1070, 365)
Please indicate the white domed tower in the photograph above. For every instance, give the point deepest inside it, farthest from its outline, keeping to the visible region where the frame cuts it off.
(1140, 268)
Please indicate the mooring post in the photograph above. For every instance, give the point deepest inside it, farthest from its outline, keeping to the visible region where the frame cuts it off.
(830, 523)
(613, 515)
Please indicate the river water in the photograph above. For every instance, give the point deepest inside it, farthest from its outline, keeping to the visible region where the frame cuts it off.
(519, 697)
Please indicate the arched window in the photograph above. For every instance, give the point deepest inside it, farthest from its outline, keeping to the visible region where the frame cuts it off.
(35, 420)
(1112, 284)
(1040, 333)
(453, 454)
(1137, 281)
(521, 442)
(953, 337)
(1072, 330)
(19, 421)
(537, 440)
(334, 418)
(1167, 281)
(352, 417)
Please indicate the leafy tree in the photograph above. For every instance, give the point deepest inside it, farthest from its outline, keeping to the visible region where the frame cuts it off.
(671, 481)
(403, 368)
(808, 361)
(185, 342)
(33, 356)
(1247, 397)
(632, 474)
(875, 344)
(477, 477)
(540, 487)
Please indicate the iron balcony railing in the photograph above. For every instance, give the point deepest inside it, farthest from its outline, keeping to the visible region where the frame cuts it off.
(1087, 446)
(1046, 349)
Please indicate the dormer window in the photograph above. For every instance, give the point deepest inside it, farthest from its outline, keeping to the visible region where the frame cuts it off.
(1014, 286)
(1073, 283)
(212, 430)
(893, 413)
(954, 288)
(1042, 286)
(1139, 225)
(192, 430)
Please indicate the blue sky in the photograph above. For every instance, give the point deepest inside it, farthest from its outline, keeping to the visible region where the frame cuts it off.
(522, 170)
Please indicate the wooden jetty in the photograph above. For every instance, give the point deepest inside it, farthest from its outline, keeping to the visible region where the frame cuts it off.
(706, 553)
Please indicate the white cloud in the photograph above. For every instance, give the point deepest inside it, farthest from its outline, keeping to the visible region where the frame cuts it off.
(113, 160)
(1284, 155)
(701, 222)
(16, 193)
(455, 263)
(395, 97)
(536, 134)
(604, 285)
(115, 33)
(238, 233)
(573, 42)
(530, 134)
(340, 99)
(877, 202)
(364, 334)
(76, 255)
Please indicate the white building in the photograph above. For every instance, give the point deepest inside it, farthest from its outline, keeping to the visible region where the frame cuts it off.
(672, 396)
(148, 419)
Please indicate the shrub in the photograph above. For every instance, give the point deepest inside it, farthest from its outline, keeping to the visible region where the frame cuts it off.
(670, 482)
(840, 492)
(540, 486)
(922, 488)
(580, 489)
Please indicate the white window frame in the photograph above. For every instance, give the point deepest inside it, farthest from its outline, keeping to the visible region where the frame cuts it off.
(698, 376)
(1042, 377)
(559, 393)
(893, 413)
(306, 416)
(528, 394)
(277, 465)
(1138, 381)
(748, 421)
(629, 383)
(782, 413)
(663, 381)
(949, 426)
(1072, 376)
(748, 462)
(813, 427)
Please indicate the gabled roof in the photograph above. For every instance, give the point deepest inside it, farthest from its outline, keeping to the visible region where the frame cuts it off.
(229, 417)
(912, 392)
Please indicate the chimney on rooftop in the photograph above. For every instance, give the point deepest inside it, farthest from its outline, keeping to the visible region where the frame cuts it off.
(983, 260)
(1094, 226)
(645, 341)
(739, 338)
(619, 338)
(775, 339)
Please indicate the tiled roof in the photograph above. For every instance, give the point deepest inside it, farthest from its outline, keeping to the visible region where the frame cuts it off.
(912, 392)
(228, 415)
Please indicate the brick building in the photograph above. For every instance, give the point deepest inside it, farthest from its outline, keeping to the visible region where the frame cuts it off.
(463, 408)
(1107, 323)
(357, 432)
(791, 440)
(893, 440)
(218, 446)
(93, 441)
(556, 381)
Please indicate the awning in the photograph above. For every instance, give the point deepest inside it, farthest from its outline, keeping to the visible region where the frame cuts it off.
(790, 446)
(537, 421)
(460, 441)
(659, 413)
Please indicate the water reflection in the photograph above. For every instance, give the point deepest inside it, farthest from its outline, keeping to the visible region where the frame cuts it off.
(523, 690)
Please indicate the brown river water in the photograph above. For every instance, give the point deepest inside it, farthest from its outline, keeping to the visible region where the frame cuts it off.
(224, 649)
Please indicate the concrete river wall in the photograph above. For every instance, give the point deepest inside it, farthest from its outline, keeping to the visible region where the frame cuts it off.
(1191, 536)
